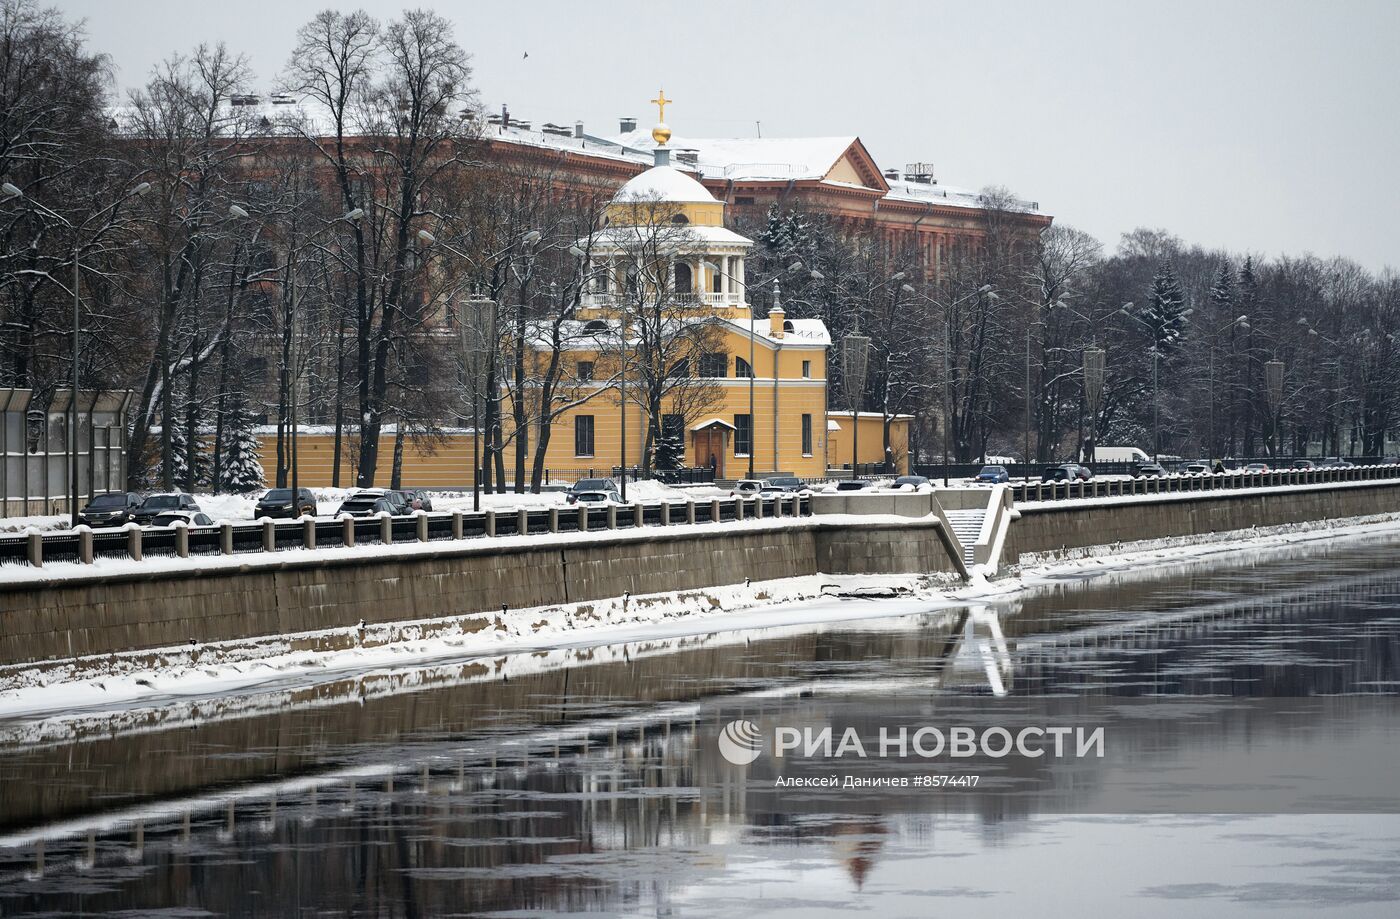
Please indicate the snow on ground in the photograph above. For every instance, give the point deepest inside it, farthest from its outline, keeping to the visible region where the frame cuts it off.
(35, 521)
(212, 670)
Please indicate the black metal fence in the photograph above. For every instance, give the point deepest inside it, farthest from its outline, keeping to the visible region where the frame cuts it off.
(136, 543)
(1153, 485)
(690, 475)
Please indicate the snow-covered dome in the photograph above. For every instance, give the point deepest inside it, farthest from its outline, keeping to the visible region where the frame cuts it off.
(665, 183)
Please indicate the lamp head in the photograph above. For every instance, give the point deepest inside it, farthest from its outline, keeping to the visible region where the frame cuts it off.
(426, 238)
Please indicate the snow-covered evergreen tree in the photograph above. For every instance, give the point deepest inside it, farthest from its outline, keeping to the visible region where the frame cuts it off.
(1222, 291)
(1166, 312)
(179, 456)
(242, 470)
(669, 452)
(785, 234)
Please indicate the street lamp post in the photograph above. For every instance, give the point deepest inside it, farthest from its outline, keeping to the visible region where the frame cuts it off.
(1094, 361)
(1273, 386)
(1238, 321)
(855, 353)
(984, 290)
(482, 374)
(9, 191)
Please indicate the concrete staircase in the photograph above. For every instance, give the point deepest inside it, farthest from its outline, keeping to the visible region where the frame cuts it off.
(967, 526)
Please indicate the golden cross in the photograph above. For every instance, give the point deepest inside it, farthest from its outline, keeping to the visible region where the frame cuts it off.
(661, 102)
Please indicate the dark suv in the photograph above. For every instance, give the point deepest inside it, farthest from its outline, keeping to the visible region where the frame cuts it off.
(110, 510)
(372, 501)
(155, 505)
(278, 503)
(1066, 472)
(1140, 470)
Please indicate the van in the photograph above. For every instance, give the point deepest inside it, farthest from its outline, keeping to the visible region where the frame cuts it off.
(1120, 455)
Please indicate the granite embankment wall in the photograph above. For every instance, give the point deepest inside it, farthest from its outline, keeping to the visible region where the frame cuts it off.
(1053, 527)
(463, 585)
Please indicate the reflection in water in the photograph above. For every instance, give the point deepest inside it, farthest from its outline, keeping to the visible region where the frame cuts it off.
(594, 785)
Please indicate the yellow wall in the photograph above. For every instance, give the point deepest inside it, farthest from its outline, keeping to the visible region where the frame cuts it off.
(450, 464)
(795, 396)
(870, 446)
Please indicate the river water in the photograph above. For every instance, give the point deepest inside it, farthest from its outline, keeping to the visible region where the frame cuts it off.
(1252, 763)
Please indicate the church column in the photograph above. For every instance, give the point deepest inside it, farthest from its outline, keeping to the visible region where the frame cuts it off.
(739, 273)
(724, 274)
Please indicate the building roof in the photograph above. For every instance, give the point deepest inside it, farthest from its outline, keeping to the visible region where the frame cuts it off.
(803, 332)
(667, 184)
(754, 158)
(679, 239)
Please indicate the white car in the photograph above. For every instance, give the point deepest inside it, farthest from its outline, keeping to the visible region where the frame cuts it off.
(596, 499)
(189, 518)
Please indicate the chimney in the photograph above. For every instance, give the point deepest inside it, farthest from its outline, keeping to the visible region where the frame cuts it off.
(627, 124)
(688, 157)
(892, 175)
(505, 116)
(777, 315)
(578, 129)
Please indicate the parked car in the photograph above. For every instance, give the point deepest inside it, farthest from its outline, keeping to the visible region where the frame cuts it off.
(747, 488)
(419, 499)
(854, 485)
(156, 505)
(372, 501)
(596, 498)
(1257, 467)
(1341, 464)
(1138, 470)
(583, 485)
(278, 503)
(110, 510)
(1066, 472)
(1304, 464)
(1198, 468)
(996, 475)
(914, 481)
(189, 518)
(788, 483)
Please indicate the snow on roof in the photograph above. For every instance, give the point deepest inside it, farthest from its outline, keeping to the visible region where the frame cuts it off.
(680, 238)
(664, 183)
(746, 158)
(945, 195)
(711, 422)
(803, 331)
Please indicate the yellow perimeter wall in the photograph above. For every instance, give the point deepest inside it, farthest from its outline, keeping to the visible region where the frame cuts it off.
(450, 464)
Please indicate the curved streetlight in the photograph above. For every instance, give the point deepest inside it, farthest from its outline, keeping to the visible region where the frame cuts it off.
(14, 192)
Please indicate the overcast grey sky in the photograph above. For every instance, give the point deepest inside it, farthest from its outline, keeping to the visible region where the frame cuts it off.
(1263, 126)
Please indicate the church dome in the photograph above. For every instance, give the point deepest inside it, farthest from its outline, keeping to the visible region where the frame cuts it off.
(665, 184)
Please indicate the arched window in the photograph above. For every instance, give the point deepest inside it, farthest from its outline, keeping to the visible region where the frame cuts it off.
(595, 326)
(680, 218)
(682, 278)
(742, 368)
(787, 325)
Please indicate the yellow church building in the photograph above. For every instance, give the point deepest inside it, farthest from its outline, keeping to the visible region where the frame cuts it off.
(667, 287)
